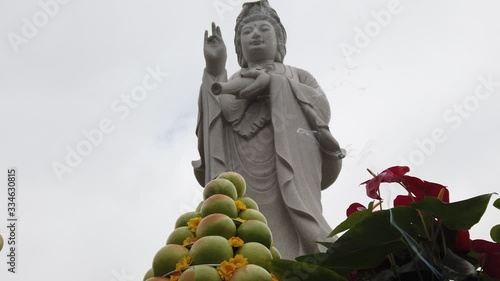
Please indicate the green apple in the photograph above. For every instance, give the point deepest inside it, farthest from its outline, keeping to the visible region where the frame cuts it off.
(179, 235)
(200, 273)
(276, 254)
(237, 180)
(167, 257)
(198, 208)
(211, 250)
(220, 186)
(148, 275)
(219, 203)
(184, 218)
(251, 272)
(256, 253)
(249, 202)
(255, 231)
(251, 214)
(216, 224)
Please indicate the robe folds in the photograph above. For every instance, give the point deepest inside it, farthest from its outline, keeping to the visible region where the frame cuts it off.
(273, 144)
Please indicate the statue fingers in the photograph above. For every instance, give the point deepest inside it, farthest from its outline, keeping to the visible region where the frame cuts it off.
(250, 73)
(214, 29)
(219, 33)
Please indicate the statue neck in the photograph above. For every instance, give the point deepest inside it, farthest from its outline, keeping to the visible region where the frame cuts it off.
(267, 64)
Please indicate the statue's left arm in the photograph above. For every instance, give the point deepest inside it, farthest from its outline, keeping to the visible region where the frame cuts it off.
(312, 95)
(317, 111)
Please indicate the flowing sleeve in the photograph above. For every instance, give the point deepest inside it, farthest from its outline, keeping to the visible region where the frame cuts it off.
(209, 131)
(316, 109)
(310, 93)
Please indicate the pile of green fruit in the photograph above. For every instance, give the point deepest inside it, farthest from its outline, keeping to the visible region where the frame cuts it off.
(225, 239)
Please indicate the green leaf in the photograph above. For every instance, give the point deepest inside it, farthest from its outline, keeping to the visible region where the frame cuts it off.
(286, 270)
(352, 220)
(367, 243)
(325, 244)
(497, 203)
(461, 215)
(495, 233)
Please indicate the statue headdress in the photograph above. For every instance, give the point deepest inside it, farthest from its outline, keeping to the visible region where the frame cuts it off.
(259, 10)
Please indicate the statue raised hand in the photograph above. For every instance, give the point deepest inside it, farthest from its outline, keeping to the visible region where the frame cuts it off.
(215, 52)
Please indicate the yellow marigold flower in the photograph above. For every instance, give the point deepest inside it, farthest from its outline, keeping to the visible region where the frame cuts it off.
(239, 260)
(226, 270)
(183, 263)
(236, 241)
(189, 240)
(240, 220)
(175, 276)
(240, 205)
(193, 223)
(274, 277)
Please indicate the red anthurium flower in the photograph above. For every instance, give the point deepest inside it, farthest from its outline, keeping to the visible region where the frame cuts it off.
(414, 185)
(462, 241)
(490, 256)
(421, 188)
(403, 200)
(355, 207)
(483, 246)
(434, 189)
(392, 174)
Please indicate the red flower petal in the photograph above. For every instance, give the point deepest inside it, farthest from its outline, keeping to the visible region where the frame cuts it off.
(403, 200)
(415, 185)
(421, 188)
(462, 241)
(491, 264)
(392, 174)
(355, 207)
(483, 246)
(433, 189)
(352, 276)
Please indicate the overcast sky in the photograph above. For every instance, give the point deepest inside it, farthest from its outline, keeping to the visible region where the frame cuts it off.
(409, 82)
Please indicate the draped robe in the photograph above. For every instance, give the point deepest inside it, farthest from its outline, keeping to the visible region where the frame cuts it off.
(272, 144)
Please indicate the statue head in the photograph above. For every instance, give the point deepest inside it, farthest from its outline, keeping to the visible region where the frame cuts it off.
(259, 13)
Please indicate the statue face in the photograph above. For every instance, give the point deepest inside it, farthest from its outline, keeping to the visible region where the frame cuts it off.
(258, 41)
